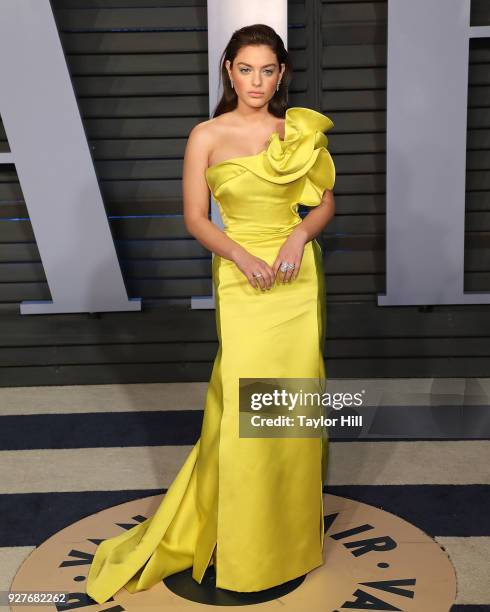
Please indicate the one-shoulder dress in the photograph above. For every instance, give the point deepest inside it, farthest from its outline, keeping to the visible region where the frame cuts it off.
(250, 506)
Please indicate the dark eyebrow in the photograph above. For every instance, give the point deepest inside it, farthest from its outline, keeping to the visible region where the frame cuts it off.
(250, 66)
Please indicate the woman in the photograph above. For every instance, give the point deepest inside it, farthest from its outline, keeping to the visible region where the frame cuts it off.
(250, 506)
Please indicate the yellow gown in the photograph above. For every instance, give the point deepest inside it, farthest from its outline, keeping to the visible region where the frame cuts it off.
(253, 507)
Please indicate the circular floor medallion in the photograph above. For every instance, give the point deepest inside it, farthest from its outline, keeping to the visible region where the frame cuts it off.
(373, 560)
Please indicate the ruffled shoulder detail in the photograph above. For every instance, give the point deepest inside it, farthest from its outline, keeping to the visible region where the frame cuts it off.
(302, 154)
(303, 136)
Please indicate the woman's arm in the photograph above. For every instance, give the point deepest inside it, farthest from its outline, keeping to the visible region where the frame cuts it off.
(293, 247)
(316, 219)
(196, 209)
(195, 193)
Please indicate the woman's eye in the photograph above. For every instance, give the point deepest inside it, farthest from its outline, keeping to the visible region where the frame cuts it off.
(269, 72)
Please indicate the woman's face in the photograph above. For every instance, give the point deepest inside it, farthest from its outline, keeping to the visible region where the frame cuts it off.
(255, 74)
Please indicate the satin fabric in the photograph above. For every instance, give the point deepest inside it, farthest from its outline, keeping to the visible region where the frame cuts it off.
(251, 506)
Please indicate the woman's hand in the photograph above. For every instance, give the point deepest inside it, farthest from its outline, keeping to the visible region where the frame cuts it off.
(251, 265)
(291, 251)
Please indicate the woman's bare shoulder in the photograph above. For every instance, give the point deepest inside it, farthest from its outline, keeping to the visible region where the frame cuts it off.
(207, 132)
(208, 135)
(214, 125)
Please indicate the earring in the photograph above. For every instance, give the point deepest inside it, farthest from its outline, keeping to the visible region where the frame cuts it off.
(232, 85)
(278, 83)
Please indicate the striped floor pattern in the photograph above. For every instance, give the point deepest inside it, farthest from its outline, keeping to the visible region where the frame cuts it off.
(70, 451)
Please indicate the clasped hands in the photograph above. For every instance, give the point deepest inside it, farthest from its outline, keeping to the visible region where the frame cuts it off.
(261, 275)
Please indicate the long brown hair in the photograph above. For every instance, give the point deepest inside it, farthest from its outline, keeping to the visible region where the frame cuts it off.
(256, 34)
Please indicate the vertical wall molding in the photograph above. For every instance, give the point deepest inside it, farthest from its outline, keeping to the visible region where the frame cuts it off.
(314, 52)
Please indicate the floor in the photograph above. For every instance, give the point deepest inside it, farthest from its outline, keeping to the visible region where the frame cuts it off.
(68, 452)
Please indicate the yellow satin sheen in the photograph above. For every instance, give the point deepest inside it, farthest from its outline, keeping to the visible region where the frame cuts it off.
(252, 506)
